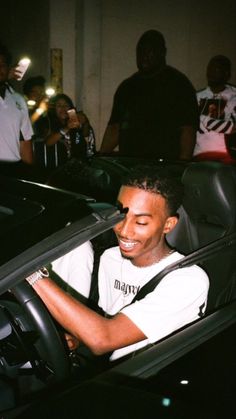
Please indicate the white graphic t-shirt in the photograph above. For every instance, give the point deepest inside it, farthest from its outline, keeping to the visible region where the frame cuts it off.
(179, 298)
(217, 118)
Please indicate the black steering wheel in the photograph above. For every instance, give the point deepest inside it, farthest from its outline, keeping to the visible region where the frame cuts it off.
(53, 348)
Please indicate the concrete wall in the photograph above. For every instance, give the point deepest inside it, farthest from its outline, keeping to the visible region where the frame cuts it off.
(98, 39)
(25, 30)
(62, 18)
(89, 20)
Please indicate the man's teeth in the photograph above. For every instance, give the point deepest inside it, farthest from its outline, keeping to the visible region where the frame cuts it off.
(128, 245)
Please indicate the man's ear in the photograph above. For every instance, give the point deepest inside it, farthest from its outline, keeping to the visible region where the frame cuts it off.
(170, 224)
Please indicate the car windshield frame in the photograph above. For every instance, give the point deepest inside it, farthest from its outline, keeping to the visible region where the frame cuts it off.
(103, 216)
(172, 347)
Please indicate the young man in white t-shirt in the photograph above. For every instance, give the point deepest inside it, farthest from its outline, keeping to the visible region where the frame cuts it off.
(150, 198)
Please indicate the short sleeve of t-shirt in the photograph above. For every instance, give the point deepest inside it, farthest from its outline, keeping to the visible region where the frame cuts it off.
(181, 295)
(75, 269)
(25, 125)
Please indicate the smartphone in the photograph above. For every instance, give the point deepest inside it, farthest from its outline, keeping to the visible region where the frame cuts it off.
(72, 115)
(21, 67)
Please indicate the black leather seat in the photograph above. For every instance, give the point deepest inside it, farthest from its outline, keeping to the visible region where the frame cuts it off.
(209, 213)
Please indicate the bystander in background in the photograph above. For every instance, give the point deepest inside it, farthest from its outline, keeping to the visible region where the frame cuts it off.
(35, 95)
(217, 108)
(154, 112)
(67, 136)
(16, 152)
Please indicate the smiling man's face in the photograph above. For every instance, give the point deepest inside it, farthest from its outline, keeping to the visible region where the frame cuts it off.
(141, 235)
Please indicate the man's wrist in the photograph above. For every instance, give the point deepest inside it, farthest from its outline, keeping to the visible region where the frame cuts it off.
(36, 276)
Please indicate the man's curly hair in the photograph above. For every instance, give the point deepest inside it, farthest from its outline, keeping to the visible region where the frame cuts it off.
(157, 180)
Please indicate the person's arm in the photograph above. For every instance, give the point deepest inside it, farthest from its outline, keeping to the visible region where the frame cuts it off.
(99, 334)
(41, 108)
(26, 151)
(13, 74)
(187, 142)
(110, 139)
(186, 112)
(54, 137)
(84, 123)
(222, 126)
(26, 134)
(111, 135)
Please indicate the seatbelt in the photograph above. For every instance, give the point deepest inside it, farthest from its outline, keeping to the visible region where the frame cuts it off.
(201, 254)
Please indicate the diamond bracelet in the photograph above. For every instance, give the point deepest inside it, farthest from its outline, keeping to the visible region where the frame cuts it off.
(36, 276)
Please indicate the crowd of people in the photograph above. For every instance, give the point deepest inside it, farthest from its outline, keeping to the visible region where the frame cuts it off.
(71, 134)
(156, 113)
(35, 121)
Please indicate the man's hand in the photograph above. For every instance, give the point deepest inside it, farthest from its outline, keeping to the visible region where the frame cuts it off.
(71, 341)
(73, 120)
(14, 74)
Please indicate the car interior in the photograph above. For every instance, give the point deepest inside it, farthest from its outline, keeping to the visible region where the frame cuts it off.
(206, 231)
(208, 214)
(207, 217)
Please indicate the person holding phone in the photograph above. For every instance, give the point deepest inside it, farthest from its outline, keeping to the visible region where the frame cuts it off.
(16, 152)
(66, 129)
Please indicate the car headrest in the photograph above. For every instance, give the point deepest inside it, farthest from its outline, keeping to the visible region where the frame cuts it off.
(209, 207)
(210, 193)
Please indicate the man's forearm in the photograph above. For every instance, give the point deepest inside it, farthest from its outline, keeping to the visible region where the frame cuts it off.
(26, 152)
(111, 139)
(99, 334)
(187, 142)
(82, 322)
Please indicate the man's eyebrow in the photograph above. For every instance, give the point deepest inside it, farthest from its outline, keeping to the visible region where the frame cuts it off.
(143, 214)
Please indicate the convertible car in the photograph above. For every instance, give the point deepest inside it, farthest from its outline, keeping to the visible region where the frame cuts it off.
(188, 374)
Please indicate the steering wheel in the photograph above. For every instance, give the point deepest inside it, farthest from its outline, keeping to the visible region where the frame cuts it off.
(51, 343)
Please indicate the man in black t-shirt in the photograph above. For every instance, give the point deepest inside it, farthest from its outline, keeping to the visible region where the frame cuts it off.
(155, 111)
